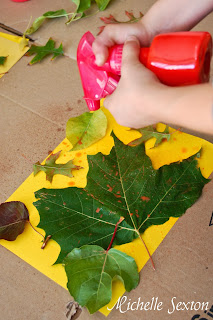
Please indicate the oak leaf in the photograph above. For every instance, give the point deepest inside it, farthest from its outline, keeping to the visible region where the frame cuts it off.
(111, 19)
(150, 132)
(13, 216)
(42, 51)
(91, 271)
(51, 168)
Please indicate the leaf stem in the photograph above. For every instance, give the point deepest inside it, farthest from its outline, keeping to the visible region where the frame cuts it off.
(44, 240)
(114, 233)
(146, 250)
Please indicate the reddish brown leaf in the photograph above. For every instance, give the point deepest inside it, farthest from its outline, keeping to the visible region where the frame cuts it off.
(13, 216)
(111, 19)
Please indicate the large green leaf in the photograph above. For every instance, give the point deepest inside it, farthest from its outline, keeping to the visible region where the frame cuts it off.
(126, 183)
(73, 218)
(91, 270)
(121, 184)
(86, 129)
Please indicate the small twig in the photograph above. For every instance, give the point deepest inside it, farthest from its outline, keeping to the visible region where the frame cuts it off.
(45, 240)
(14, 31)
(113, 236)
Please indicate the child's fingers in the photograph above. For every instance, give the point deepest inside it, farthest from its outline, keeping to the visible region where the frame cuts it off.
(111, 35)
(130, 56)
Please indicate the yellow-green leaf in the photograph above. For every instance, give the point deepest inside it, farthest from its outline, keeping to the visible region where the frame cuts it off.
(86, 129)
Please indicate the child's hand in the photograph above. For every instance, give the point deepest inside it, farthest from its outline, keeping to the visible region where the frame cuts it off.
(117, 34)
(137, 100)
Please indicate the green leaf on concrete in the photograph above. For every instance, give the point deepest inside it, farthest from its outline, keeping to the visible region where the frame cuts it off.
(102, 4)
(13, 216)
(91, 271)
(51, 168)
(43, 51)
(82, 5)
(47, 15)
(2, 60)
(86, 129)
(123, 183)
(150, 132)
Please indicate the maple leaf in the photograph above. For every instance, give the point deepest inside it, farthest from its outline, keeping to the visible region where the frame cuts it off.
(86, 129)
(43, 51)
(47, 15)
(91, 271)
(123, 183)
(2, 60)
(51, 168)
(111, 19)
(150, 132)
(13, 216)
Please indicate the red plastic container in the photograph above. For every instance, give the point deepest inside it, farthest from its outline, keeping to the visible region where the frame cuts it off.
(19, 0)
(178, 58)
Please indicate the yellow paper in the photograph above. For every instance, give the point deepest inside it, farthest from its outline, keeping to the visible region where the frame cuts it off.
(12, 48)
(28, 245)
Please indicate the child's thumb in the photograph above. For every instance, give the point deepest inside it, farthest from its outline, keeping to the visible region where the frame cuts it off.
(131, 52)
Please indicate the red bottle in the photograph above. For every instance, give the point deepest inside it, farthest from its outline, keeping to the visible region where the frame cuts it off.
(180, 58)
(19, 0)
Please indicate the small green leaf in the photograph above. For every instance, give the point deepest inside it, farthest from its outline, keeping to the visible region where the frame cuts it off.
(91, 270)
(86, 129)
(42, 51)
(82, 5)
(102, 4)
(150, 132)
(47, 15)
(2, 60)
(56, 14)
(75, 16)
(13, 216)
(51, 168)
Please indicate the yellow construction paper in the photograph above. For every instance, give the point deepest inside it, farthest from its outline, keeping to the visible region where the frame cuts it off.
(12, 47)
(28, 245)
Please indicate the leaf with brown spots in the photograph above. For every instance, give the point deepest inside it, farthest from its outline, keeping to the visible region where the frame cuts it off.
(13, 216)
(147, 197)
(52, 168)
(86, 129)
